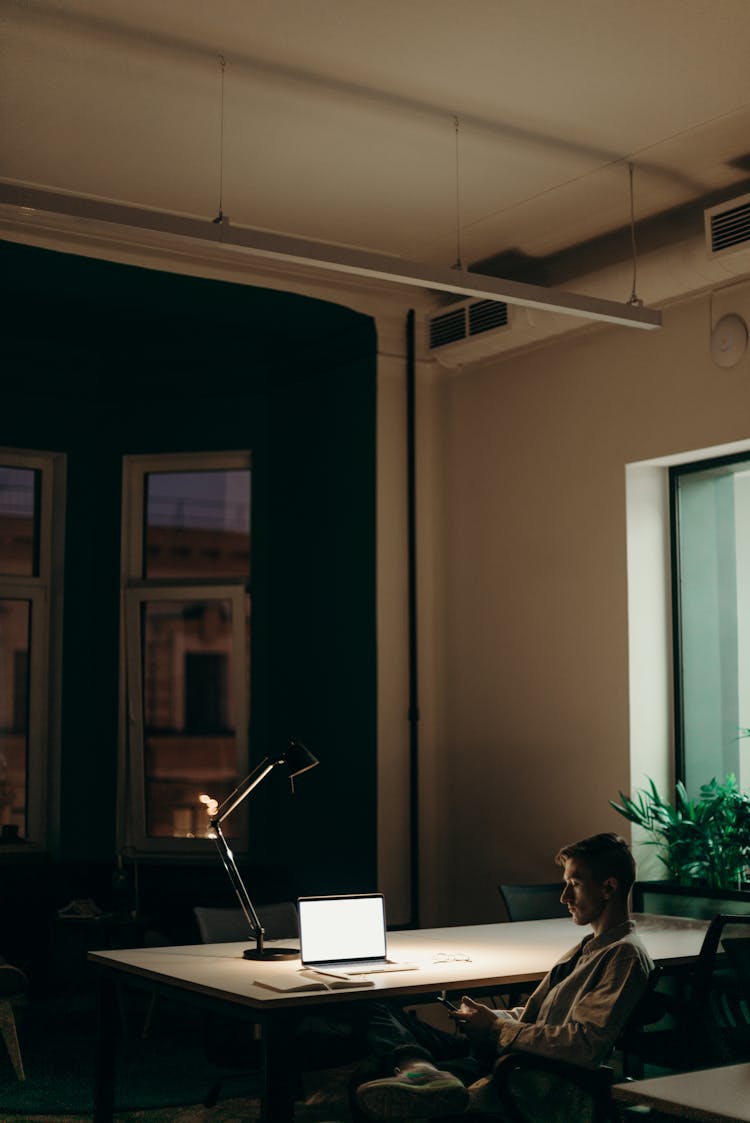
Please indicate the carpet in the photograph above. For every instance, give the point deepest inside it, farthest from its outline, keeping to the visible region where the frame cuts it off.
(226, 1111)
(161, 1078)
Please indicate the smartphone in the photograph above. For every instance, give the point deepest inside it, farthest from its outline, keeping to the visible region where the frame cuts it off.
(447, 1003)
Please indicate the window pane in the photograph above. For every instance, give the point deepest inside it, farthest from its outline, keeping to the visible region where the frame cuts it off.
(19, 524)
(713, 543)
(197, 524)
(15, 629)
(190, 739)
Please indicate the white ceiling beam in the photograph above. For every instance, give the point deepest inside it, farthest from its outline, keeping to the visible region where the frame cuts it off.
(35, 205)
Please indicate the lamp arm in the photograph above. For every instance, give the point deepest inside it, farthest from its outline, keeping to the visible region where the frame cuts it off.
(298, 759)
(225, 809)
(227, 858)
(236, 797)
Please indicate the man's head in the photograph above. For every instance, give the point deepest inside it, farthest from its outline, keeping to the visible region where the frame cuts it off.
(598, 874)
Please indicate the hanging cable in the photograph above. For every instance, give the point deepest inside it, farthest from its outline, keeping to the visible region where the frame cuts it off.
(220, 219)
(459, 262)
(634, 298)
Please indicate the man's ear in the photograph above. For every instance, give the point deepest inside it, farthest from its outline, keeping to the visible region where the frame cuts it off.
(610, 885)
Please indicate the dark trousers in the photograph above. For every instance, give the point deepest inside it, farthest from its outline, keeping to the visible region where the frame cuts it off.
(392, 1035)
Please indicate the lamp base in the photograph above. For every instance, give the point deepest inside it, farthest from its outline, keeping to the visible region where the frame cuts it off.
(271, 953)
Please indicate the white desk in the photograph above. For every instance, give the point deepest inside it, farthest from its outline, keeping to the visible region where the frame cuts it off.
(216, 976)
(711, 1095)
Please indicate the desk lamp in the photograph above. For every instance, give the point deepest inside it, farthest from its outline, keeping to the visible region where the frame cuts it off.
(297, 759)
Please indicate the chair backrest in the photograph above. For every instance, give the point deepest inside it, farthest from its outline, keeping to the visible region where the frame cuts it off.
(738, 951)
(710, 949)
(533, 902)
(720, 991)
(218, 926)
(649, 1010)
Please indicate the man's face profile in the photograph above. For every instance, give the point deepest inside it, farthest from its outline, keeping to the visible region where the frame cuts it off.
(585, 896)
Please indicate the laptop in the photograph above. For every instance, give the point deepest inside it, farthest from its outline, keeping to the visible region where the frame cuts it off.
(346, 935)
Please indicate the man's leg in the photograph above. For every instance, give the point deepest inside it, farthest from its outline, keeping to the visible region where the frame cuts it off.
(407, 1050)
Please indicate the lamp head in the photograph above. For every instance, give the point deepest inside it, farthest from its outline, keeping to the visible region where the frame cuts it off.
(297, 759)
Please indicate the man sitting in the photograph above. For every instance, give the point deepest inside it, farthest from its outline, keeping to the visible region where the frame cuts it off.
(575, 1014)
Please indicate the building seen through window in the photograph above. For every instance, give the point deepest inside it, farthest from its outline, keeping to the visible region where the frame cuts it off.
(15, 620)
(189, 634)
(18, 551)
(26, 595)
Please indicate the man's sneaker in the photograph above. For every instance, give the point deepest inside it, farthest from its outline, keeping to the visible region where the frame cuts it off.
(420, 1091)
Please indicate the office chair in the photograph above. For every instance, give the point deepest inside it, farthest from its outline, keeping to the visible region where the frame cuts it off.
(13, 983)
(529, 902)
(220, 926)
(708, 1018)
(227, 1042)
(533, 902)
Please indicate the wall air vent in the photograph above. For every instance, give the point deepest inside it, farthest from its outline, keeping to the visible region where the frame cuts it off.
(728, 226)
(448, 327)
(465, 332)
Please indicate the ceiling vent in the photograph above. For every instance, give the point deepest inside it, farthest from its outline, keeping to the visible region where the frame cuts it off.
(467, 331)
(728, 227)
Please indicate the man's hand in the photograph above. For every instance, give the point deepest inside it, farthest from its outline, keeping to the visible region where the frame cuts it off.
(473, 1018)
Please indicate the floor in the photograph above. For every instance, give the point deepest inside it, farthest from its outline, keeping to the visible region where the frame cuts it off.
(325, 1103)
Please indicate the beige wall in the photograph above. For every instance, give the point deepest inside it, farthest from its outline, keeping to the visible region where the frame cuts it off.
(523, 589)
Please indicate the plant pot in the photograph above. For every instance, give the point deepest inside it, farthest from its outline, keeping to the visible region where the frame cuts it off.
(699, 902)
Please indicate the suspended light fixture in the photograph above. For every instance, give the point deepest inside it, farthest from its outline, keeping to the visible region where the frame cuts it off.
(25, 206)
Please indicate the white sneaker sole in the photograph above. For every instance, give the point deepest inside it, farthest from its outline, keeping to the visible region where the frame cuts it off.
(395, 1098)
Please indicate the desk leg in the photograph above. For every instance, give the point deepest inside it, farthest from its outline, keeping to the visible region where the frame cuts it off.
(104, 1086)
(278, 1083)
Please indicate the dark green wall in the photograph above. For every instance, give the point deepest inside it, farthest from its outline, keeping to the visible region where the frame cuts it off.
(101, 360)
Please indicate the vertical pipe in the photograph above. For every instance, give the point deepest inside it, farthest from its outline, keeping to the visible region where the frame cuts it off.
(412, 610)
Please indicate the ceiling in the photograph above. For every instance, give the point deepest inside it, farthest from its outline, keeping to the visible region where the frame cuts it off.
(497, 132)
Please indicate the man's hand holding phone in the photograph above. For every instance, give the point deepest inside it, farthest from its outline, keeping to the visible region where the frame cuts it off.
(473, 1018)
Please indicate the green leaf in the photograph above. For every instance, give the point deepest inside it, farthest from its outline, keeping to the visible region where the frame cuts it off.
(705, 840)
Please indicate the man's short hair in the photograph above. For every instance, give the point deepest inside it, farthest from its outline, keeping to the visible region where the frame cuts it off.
(607, 855)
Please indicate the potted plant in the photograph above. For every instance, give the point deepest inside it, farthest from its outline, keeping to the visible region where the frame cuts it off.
(704, 841)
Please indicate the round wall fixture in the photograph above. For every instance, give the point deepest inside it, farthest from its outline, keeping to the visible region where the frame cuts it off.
(728, 340)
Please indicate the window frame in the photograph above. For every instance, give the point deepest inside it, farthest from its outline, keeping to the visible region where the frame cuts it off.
(136, 591)
(676, 472)
(44, 592)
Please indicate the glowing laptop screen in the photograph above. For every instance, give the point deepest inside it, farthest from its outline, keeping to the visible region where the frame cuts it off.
(339, 928)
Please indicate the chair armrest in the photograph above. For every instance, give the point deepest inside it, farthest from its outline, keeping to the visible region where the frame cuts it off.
(594, 1082)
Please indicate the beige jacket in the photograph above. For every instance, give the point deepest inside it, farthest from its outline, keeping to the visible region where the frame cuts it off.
(577, 1019)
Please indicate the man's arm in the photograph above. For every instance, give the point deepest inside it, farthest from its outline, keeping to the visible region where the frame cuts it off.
(586, 1034)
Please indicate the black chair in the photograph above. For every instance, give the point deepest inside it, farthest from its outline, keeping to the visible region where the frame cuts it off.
(227, 1042)
(708, 1015)
(529, 902)
(594, 1083)
(230, 1044)
(219, 926)
(13, 984)
(533, 902)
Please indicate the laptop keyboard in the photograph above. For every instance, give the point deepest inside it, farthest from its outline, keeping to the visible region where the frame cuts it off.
(365, 967)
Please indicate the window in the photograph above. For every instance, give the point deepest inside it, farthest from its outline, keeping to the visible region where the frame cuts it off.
(30, 542)
(186, 561)
(710, 504)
